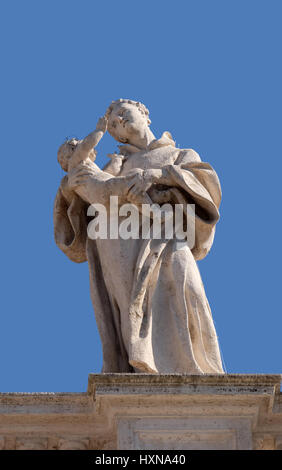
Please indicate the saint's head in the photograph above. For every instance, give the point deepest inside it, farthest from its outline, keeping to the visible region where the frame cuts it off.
(128, 122)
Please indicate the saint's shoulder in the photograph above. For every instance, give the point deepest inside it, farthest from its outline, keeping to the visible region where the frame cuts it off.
(187, 156)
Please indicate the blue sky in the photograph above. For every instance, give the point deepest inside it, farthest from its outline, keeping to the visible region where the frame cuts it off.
(210, 73)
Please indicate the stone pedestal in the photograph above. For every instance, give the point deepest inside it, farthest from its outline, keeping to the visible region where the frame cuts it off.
(141, 411)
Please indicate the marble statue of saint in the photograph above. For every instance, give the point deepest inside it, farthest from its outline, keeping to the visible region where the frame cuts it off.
(150, 305)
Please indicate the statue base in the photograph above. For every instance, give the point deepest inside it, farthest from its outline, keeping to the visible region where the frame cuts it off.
(148, 412)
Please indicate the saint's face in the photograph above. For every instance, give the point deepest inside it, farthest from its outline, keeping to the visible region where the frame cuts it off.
(127, 124)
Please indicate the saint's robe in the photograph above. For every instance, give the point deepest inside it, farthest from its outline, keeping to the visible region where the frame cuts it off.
(149, 300)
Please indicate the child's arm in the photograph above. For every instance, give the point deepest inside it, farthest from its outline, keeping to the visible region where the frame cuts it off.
(83, 148)
(94, 138)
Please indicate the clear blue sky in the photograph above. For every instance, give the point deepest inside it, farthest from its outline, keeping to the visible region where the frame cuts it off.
(210, 73)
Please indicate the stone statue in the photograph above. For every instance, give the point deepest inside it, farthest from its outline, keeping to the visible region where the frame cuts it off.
(149, 301)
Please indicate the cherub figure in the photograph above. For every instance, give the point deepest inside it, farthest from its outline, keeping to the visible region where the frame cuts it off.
(81, 154)
(76, 153)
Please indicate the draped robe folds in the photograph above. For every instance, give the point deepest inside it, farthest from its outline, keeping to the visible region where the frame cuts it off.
(149, 301)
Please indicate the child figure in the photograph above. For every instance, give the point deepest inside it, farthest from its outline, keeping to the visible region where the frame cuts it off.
(76, 152)
(73, 152)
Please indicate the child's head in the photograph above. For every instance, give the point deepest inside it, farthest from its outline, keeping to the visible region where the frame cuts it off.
(65, 152)
(67, 149)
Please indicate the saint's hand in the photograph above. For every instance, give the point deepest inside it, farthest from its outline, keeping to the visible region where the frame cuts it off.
(142, 182)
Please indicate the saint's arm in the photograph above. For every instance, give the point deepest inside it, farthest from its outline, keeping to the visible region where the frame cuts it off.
(163, 175)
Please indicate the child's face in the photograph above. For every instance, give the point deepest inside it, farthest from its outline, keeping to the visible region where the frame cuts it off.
(70, 147)
(65, 152)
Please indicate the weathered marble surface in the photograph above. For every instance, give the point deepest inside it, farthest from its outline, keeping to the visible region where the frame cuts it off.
(149, 300)
(144, 411)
